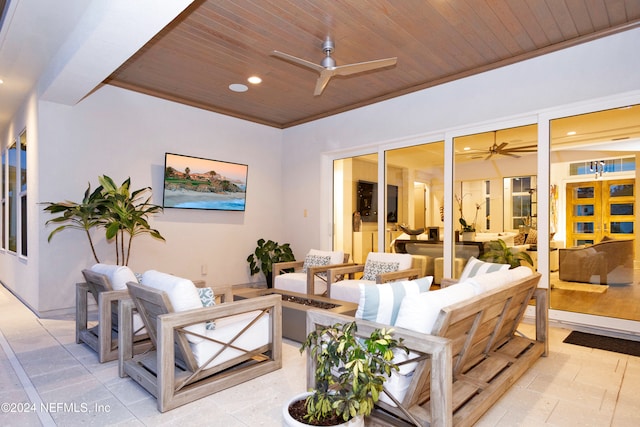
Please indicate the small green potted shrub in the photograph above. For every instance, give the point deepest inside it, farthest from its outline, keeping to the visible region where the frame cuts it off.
(498, 251)
(349, 375)
(266, 254)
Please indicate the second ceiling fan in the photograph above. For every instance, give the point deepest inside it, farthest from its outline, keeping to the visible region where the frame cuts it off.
(328, 68)
(502, 149)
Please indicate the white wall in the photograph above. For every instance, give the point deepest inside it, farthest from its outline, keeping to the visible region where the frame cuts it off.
(597, 69)
(121, 133)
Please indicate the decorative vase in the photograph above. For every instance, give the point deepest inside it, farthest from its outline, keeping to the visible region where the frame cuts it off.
(289, 421)
(468, 236)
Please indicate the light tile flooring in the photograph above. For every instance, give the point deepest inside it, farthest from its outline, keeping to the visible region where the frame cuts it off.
(47, 379)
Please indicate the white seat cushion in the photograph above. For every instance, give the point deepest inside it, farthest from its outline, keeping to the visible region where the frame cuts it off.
(348, 290)
(419, 313)
(182, 294)
(297, 282)
(118, 275)
(226, 328)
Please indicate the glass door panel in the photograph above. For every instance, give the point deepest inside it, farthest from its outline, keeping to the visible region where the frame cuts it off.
(415, 203)
(355, 210)
(594, 162)
(494, 189)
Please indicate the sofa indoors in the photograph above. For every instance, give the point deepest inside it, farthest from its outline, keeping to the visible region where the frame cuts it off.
(609, 262)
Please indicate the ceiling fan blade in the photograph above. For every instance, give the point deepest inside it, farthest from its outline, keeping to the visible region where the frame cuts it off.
(323, 80)
(524, 149)
(506, 153)
(360, 67)
(299, 61)
(500, 147)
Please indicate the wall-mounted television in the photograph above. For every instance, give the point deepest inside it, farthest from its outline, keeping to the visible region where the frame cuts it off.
(367, 203)
(197, 183)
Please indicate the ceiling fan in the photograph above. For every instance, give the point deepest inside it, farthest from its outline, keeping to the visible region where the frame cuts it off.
(502, 149)
(327, 68)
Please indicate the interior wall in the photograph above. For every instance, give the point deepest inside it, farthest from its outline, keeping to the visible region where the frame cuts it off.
(123, 134)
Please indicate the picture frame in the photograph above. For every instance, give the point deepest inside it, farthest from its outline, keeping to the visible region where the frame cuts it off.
(433, 233)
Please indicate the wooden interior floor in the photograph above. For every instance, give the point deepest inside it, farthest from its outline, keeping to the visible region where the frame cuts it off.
(619, 301)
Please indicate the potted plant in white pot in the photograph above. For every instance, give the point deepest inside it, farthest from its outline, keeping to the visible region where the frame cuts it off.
(349, 376)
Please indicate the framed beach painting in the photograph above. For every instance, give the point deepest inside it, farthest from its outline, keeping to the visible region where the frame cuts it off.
(198, 183)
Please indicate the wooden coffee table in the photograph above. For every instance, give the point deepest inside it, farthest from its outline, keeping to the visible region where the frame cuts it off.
(295, 307)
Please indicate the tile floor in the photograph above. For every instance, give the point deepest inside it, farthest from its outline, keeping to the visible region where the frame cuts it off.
(47, 379)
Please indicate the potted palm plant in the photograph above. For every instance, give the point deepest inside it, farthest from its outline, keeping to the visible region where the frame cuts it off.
(122, 213)
(498, 251)
(266, 254)
(349, 375)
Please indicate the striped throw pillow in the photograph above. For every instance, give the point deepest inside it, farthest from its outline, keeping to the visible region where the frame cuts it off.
(381, 303)
(476, 267)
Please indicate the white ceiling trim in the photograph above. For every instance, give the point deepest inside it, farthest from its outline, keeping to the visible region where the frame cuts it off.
(107, 35)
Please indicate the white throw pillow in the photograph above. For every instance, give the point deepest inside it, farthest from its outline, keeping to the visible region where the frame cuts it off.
(420, 312)
(381, 303)
(490, 281)
(118, 275)
(182, 294)
(476, 267)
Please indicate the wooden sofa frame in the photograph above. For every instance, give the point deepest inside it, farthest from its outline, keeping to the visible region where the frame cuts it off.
(312, 272)
(473, 358)
(169, 371)
(103, 337)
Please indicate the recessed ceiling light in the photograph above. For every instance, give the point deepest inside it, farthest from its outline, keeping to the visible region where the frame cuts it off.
(467, 148)
(1, 81)
(237, 87)
(571, 133)
(254, 80)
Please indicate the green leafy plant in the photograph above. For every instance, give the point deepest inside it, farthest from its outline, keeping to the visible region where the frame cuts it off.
(126, 215)
(121, 212)
(498, 251)
(79, 216)
(349, 372)
(267, 253)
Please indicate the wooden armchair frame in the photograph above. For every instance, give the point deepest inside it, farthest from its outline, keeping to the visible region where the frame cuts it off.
(474, 356)
(169, 371)
(103, 337)
(312, 272)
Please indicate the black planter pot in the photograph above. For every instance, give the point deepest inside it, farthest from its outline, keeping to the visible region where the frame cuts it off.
(269, 277)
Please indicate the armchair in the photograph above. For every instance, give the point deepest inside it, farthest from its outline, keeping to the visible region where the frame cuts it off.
(309, 276)
(191, 360)
(378, 268)
(107, 284)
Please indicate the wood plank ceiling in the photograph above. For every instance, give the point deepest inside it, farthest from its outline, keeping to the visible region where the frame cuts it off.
(216, 43)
